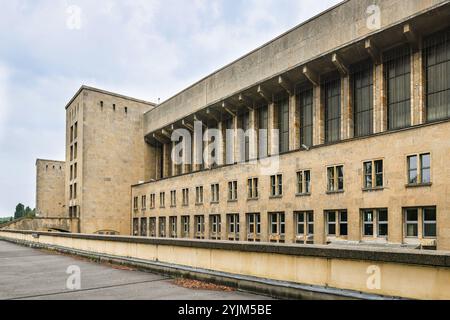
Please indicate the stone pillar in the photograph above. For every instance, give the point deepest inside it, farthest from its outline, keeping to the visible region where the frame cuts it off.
(294, 124)
(318, 117)
(207, 228)
(395, 217)
(174, 167)
(379, 100)
(264, 226)
(319, 226)
(347, 125)
(242, 226)
(418, 85)
(354, 227)
(289, 225)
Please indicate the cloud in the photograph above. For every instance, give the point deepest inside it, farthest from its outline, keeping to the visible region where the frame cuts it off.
(148, 49)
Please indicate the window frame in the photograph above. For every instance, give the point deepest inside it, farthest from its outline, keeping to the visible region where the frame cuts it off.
(334, 181)
(254, 236)
(419, 170)
(338, 223)
(304, 186)
(374, 174)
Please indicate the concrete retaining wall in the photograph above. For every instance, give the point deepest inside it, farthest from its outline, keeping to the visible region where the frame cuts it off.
(352, 270)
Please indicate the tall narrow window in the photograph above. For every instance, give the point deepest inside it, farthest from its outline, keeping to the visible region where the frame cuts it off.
(200, 227)
(277, 227)
(245, 127)
(252, 188)
(304, 228)
(263, 125)
(398, 82)
(185, 221)
(233, 227)
(143, 227)
(373, 174)
(362, 79)
(437, 63)
(332, 94)
(199, 195)
(232, 191)
(419, 169)
(173, 227)
(254, 227)
(304, 182)
(185, 193)
(305, 100)
(336, 223)
(162, 227)
(283, 125)
(276, 185)
(215, 226)
(335, 179)
(215, 193)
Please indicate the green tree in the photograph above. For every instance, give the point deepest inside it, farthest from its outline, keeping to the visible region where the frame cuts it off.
(20, 211)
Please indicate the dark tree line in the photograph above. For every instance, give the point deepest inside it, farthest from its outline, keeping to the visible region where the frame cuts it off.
(24, 212)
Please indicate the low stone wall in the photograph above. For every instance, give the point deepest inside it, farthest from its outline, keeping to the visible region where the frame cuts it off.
(42, 224)
(351, 271)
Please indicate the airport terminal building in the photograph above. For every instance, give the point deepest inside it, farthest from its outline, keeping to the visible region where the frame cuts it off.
(335, 132)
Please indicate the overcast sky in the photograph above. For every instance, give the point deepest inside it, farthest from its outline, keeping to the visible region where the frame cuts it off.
(147, 49)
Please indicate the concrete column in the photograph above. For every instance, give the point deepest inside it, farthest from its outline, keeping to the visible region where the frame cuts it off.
(319, 226)
(223, 226)
(380, 100)
(318, 117)
(294, 124)
(347, 125)
(395, 216)
(207, 227)
(192, 226)
(242, 226)
(418, 85)
(354, 226)
(273, 138)
(289, 225)
(264, 226)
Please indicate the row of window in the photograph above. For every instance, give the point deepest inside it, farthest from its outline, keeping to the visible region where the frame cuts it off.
(418, 173)
(397, 79)
(418, 223)
(125, 109)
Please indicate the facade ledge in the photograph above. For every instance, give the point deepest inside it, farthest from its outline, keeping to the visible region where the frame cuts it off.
(303, 195)
(335, 192)
(418, 185)
(373, 189)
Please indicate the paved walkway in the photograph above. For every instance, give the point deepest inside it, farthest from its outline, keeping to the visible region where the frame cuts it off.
(27, 273)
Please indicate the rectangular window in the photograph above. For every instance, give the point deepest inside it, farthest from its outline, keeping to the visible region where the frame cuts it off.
(412, 223)
(71, 173)
(162, 199)
(437, 64)
(397, 64)
(152, 201)
(335, 177)
(375, 223)
(71, 134)
(276, 185)
(136, 227)
(215, 193)
(144, 203)
(173, 198)
(215, 226)
(75, 150)
(233, 228)
(419, 169)
(336, 223)
(153, 227)
(200, 227)
(252, 188)
(173, 227)
(143, 227)
(162, 227)
(185, 197)
(75, 171)
(75, 130)
(373, 174)
(135, 203)
(277, 227)
(283, 125)
(254, 227)
(185, 222)
(305, 101)
(232, 191)
(332, 94)
(304, 182)
(304, 227)
(362, 81)
(426, 218)
(75, 190)
(199, 195)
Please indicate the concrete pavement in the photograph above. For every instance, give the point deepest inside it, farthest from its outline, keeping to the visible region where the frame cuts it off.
(33, 274)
